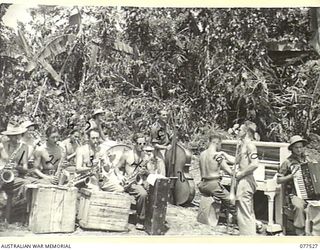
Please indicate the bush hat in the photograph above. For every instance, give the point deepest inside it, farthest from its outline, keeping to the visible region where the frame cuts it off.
(296, 138)
(14, 130)
(27, 124)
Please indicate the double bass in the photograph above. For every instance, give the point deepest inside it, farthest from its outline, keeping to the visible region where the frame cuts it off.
(178, 161)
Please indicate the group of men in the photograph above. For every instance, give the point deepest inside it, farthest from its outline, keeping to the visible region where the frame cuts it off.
(38, 161)
(45, 161)
(213, 161)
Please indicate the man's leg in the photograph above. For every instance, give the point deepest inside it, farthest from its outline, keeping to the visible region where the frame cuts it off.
(298, 215)
(141, 197)
(245, 212)
(223, 194)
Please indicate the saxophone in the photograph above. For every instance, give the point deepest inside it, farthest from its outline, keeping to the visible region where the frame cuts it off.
(139, 174)
(7, 173)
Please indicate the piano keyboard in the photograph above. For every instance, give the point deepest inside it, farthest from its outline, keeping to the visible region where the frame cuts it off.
(299, 185)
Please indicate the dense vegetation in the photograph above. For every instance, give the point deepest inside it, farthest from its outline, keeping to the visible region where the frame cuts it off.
(210, 67)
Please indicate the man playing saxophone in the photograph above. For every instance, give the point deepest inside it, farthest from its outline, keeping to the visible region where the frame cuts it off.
(90, 159)
(49, 158)
(128, 168)
(14, 166)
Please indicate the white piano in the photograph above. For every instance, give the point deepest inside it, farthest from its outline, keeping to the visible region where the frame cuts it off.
(271, 155)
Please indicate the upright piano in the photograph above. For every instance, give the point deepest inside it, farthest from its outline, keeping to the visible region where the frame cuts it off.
(271, 156)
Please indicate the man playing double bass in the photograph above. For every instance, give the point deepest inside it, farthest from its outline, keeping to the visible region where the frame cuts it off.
(161, 134)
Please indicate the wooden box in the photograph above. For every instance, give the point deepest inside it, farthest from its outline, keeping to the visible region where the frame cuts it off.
(208, 212)
(156, 207)
(52, 209)
(102, 210)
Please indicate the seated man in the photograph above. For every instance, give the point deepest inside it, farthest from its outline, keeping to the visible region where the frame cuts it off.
(131, 163)
(70, 145)
(211, 161)
(48, 158)
(89, 157)
(31, 138)
(14, 166)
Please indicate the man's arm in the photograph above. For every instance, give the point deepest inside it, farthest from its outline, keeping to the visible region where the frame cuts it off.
(79, 160)
(229, 158)
(202, 163)
(283, 175)
(37, 164)
(3, 153)
(225, 167)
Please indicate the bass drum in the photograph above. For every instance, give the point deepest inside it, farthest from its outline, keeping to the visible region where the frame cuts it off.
(115, 152)
(112, 157)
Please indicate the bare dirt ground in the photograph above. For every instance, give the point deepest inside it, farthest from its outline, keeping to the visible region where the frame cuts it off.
(180, 221)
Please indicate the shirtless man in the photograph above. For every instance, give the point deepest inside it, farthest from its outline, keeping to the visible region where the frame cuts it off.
(127, 165)
(31, 138)
(71, 144)
(248, 163)
(14, 157)
(90, 156)
(212, 160)
(14, 150)
(48, 157)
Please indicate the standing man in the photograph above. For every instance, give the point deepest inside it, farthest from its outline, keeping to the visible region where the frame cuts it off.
(97, 119)
(285, 177)
(248, 163)
(211, 161)
(131, 162)
(161, 134)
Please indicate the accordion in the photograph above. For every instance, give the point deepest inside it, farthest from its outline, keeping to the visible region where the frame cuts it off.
(307, 181)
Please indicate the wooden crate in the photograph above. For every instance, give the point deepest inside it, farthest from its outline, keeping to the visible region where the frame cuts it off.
(52, 209)
(156, 207)
(102, 210)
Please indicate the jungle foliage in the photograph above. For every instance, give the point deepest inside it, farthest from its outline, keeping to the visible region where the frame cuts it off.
(210, 67)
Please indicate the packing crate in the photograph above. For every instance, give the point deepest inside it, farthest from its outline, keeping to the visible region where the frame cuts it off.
(102, 210)
(52, 209)
(156, 207)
